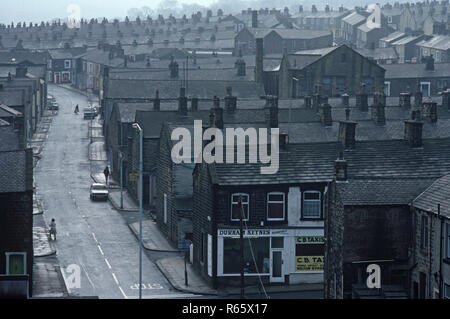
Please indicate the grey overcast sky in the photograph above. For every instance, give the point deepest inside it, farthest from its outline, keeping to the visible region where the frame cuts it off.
(46, 10)
(37, 10)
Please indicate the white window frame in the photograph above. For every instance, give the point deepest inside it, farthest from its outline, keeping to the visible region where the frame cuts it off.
(67, 64)
(276, 202)
(387, 85)
(8, 255)
(237, 203)
(429, 87)
(303, 204)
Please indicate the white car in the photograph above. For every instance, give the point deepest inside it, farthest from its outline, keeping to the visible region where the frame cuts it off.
(99, 191)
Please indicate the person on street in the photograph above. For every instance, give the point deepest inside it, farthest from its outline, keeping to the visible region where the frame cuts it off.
(107, 173)
(76, 109)
(53, 229)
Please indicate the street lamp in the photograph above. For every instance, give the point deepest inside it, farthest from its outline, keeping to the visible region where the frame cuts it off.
(121, 179)
(137, 127)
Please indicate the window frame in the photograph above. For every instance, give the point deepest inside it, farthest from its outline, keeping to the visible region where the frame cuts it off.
(303, 204)
(67, 64)
(237, 203)
(276, 202)
(8, 255)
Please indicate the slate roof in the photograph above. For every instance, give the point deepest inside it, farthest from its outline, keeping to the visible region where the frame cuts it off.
(393, 36)
(379, 53)
(171, 88)
(9, 138)
(354, 18)
(437, 193)
(381, 191)
(439, 42)
(415, 70)
(13, 171)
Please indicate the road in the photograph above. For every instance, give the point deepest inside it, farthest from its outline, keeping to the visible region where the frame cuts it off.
(92, 235)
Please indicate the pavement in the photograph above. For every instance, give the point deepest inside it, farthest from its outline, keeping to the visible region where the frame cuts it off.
(42, 246)
(48, 281)
(152, 238)
(129, 204)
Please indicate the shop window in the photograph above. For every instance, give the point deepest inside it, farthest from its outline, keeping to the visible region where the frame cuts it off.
(275, 206)
(236, 208)
(16, 263)
(312, 204)
(256, 255)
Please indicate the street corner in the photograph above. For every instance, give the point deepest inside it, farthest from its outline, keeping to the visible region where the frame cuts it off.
(41, 244)
(152, 238)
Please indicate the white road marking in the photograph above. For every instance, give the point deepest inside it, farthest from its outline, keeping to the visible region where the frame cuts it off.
(101, 251)
(168, 296)
(107, 262)
(95, 238)
(115, 278)
(121, 290)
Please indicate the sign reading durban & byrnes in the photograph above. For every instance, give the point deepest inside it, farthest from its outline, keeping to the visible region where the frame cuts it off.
(229, 148)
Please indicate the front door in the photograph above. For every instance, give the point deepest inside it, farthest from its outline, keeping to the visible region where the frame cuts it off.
(276, 259)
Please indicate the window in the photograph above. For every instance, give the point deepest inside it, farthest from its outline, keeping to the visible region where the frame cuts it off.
(389, 19)
(424, 233)
(275, 206)
(235, 207)
(311, 204)
(256, 255)
(16, 263)
(67, 64)
(387, 88)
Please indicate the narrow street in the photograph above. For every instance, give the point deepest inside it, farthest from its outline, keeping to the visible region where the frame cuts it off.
(92, 235)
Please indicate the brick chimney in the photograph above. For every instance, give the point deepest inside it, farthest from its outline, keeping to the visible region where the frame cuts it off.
(241, 67)
(325, 114)
(271, 111)
(182, 102)
(173, 68)
(446, 99)
(418, 97)
(194, 104)
(259, 63)
(378, 108)
(413, 133)
(230, 101)
(156, 101)
(345, 100)
(429, 111)
(429, 63)
(347, 130)
(362, 99)
(340, 168)
(405, 99)
(218, 113)
(254, 19)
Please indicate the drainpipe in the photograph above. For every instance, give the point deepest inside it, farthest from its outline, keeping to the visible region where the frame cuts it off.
(441, 284)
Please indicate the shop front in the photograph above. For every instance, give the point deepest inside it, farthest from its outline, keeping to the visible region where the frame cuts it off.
(278, 255)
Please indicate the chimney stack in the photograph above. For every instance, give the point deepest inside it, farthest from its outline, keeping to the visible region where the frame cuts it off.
(254, 19)
(405, 99)
(182, 102)
(156, 101)
(430, 111)
(378, 108)
(429, 63)
(194, 104)
(340, 168)
(259, 65)
(362, 99)
(230, 101)
(173, 68)
(218, 113)
(271, 111)
(413, 133)
(345, 100)
(325, 114)
(241, 67)
(347, 130)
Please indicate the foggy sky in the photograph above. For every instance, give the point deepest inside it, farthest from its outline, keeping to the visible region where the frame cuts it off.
(46, 10)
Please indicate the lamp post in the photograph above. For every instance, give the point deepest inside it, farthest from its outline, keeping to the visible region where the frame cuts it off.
(137, 127)
(121, 179)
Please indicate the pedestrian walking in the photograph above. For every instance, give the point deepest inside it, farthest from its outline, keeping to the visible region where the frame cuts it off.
(76, 109)
(52, 229)
(107, 173)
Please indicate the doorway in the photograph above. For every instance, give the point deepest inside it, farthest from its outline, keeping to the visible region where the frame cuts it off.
(277, 262)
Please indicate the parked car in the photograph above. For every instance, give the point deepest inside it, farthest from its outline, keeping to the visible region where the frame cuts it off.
(89, 113)
(53, 106)
(99, 191)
